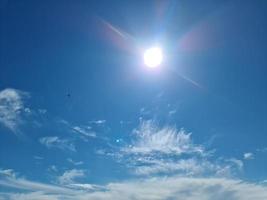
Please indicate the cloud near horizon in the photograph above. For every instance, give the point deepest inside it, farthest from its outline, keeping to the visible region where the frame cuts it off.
(164, 188)
(166, 162)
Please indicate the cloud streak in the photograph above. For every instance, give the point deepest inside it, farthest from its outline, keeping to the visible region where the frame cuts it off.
(167, 150)
(248, 156)
(69, 176)
(147, 189)
(56, 142)
(84, 131)
(167, 140)
(8, 178)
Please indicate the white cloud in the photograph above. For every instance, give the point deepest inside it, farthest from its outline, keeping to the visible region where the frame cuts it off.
(84, 131)
(12, 107)
(52, 168)
(56, 142)
(124, 123)
(11, 181)
(166, 150)
(248, 156)
(74, 162)
(187, 167)
(229, 167)
(42, 111)
(163, 150)
(69, 176)
(237, 162)
(38, 157)
(145, 189)
(166, 140)
(183, 188)
(85, 186)
(262, 150)
(98, 122)
(144, 111)
(7, 173)
(172, 112)
(30, 196)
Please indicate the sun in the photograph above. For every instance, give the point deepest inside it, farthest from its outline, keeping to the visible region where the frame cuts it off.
(153, 57)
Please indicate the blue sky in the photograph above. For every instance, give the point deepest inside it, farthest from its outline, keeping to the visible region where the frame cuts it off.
(82, 116)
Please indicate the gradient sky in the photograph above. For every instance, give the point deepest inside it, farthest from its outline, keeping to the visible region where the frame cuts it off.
(82, 117)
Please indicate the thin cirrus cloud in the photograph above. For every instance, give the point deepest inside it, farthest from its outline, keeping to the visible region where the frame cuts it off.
(56, 142)
(7, 173)
(52, 168)
(262, 150)
(97, 122)
(10, 179)
(151, 188)
(151, 139)
(12, 108)
(153, 151)
(75, 162)
(248, 156)
(70, 176)
(167, 150)
(84, 131)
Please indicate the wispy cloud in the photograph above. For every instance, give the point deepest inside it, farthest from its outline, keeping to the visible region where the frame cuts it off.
(74, 162)
(85, 131)
(159, 150)
(38, 157)
(12, 108)
(82, 131)
(262, 150)
(186, 167)
(151, 139)
(183, 188)
(172, 112)
(97, 122)
(52, 168)
(56, 142)
(248, 156)
(10, 179)
(42, 111)
(236, 162)
(70, 176)
(7, 173)
(148, 189)
(86, 187)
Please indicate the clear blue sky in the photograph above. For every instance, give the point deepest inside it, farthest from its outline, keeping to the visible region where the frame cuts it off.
(82, 117)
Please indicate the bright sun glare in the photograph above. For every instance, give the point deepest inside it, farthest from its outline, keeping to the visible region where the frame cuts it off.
(153, 57)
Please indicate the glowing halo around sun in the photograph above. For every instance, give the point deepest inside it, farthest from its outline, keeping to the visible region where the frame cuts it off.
(153, 57)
